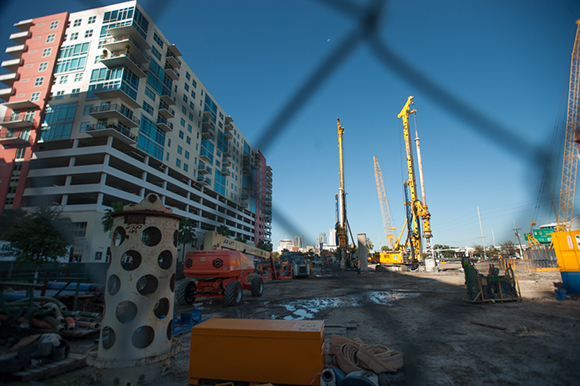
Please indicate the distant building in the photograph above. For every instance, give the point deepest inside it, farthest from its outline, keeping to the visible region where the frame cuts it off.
(321, 238)
(332, 237)
(298, 241)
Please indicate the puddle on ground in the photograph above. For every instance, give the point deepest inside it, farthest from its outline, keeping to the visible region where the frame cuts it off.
(306, 308)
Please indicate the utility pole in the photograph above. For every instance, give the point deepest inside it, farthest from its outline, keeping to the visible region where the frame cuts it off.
(493, 236)
(481, 230)
(519, 242)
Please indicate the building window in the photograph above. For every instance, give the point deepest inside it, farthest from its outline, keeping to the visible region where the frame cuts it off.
(35, 96)
(191, 105)
(46, 52)
(189, 128)
(179, 150)
(88, 33)
(186, 87)
(77, 23)
(185, 98)
(187, 76)
(74, 36)
(87, 109)
(156, 53)
(182, 123)
(178, 162)
(186, 154)
(42, 66)
(59, 95)
(75, 92)
(185, 167)
(150, 93)
(79, 229)
(188, 140)
(39, 81)
(181, 134)
(54, 25)
(63, 79)
(148, 108)
(92, 20)
(78, 77)
(84, 126)
(194, 83)
(64, 37)
(50, 38)
(183, 110)
(157, 39)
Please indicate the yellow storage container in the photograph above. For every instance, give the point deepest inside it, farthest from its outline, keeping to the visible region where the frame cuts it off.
(257, 351)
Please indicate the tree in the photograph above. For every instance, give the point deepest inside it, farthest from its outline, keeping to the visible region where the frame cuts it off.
(478, 251)
(370, 245)
(223, 230)
(241, 239)
(508, 248)
(41, 236)
(186, 233)
(444, 250)
(107, 219)
(265, 245)
(10, 218)
(385, 248)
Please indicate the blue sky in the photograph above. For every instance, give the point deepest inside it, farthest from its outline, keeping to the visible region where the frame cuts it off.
(488, 79)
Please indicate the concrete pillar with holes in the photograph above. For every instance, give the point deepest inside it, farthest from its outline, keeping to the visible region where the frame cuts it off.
(136, 341)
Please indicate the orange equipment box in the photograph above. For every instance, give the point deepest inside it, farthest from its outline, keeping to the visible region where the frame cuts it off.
(257, 351)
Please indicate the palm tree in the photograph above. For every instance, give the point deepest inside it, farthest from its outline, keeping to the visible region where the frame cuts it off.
(107, 219)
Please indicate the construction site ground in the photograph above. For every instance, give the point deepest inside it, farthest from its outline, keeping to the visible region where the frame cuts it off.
(423, 315)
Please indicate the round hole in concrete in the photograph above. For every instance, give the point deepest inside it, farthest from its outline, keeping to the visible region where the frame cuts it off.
(131, 260)
(151, 236)
(172, 283)
(113, 285)
(108, 337)
(147, 284)
(170, 329)
(175, 238)
(119, 236)
(165, 259)
(161, 308)
(143, 336)
(126, 311)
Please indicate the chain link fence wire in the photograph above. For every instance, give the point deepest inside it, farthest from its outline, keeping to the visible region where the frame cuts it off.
(367, 17)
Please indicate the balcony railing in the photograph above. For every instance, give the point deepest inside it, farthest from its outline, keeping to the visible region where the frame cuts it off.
(203, 180)
(18, 121)
(109, 108)
(112, 126)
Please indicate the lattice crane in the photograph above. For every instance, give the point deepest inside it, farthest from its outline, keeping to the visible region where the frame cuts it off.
(570, 162)
(384, 206)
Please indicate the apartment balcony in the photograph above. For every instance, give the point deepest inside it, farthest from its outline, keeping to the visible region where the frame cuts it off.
(123, 58)
(226, 171)
(18, 122)
(114, 130)
(16, 51)
(130, 31)
(14, 138)
(12, 64)
(228, 126)
(244, 204)
(229, 119)
(9, 79)
(244, 196)
(269, 178)
(228, 135)
(166, 98)
(171, 72)
(19, 105)
(116, 111)
(207, 134)
(209, 115)
(204, 169)
(20, 37)
(173, 61)
(24, 25)
(208, 124)
(174, 50)
(268, 211)
(115, 89)
(226, 163)
(166, 111)
(164, 124)
(203, 180)
(6, 93)
(226, 154)
(120, 43)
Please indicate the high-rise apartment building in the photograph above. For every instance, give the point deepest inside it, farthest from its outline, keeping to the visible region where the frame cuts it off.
(321, 238)
(101, 108)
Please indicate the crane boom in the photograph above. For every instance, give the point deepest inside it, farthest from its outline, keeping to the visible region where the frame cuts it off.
(384, 206)
(570, 161)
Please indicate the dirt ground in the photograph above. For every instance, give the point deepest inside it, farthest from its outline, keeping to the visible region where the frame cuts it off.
(422, 315)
